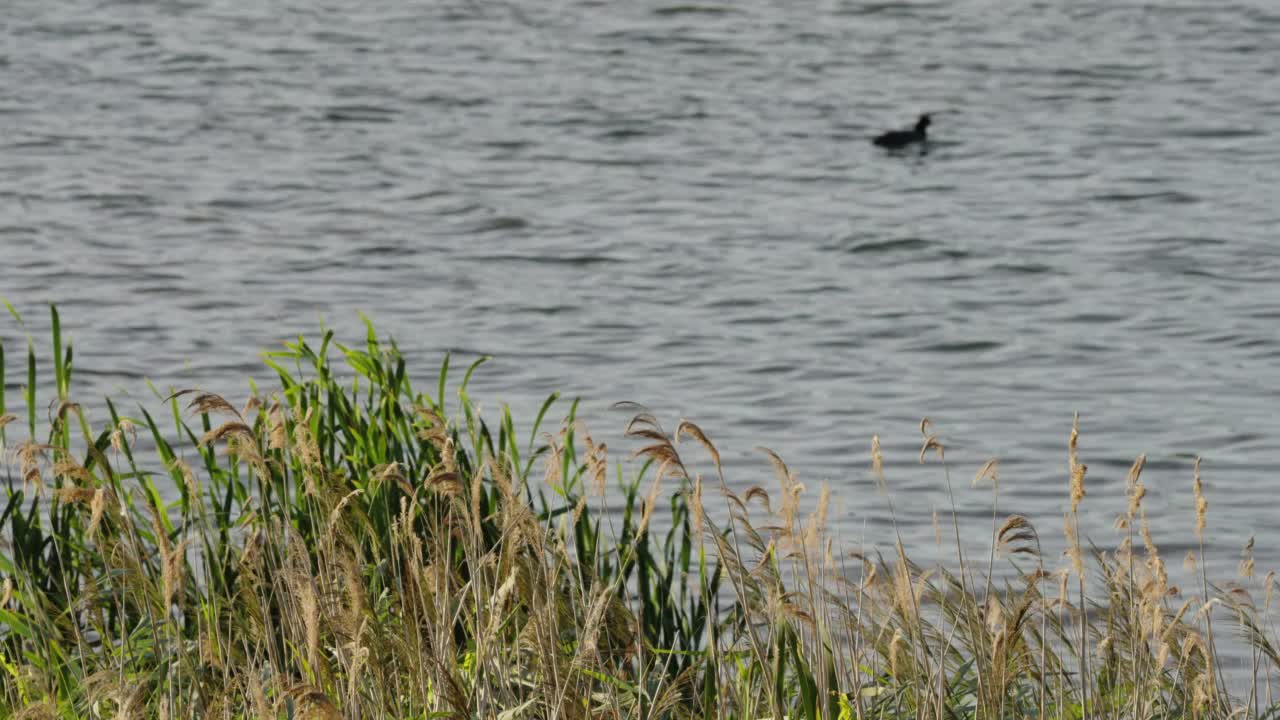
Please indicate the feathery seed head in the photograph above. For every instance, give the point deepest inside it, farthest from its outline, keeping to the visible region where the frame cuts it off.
(1136, 489)
(1246, 560)
(1075, 469)
(989, 471)
(1202, 505)
(877, 464)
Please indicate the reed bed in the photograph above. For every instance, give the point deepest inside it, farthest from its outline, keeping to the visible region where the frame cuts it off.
(346, 545)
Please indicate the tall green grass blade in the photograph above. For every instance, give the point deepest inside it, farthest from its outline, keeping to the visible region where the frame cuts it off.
(12, 311)
(466, 379)
(3, 408)
(31, 388)
(444, 375)
(59, 375)
(537, 421)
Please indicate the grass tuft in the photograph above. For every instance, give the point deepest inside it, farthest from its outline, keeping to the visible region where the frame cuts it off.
(347, 546)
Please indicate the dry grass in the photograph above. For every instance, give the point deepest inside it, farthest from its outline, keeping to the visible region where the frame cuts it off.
(341, 549)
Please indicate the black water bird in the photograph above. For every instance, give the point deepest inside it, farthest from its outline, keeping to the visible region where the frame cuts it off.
(898, 139)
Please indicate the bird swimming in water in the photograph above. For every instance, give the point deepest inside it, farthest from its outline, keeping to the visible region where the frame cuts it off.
(898, 139)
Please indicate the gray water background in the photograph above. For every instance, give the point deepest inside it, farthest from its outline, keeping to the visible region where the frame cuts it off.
(677, 205)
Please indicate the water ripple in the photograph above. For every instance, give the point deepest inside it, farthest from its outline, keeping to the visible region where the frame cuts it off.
(676, 202)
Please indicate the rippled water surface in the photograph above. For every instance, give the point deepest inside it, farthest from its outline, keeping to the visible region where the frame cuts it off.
(677, 204)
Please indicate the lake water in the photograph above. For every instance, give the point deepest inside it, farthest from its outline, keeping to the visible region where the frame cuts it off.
(678, 205)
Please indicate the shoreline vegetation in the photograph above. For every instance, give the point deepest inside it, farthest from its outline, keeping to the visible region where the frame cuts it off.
(348, 545)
